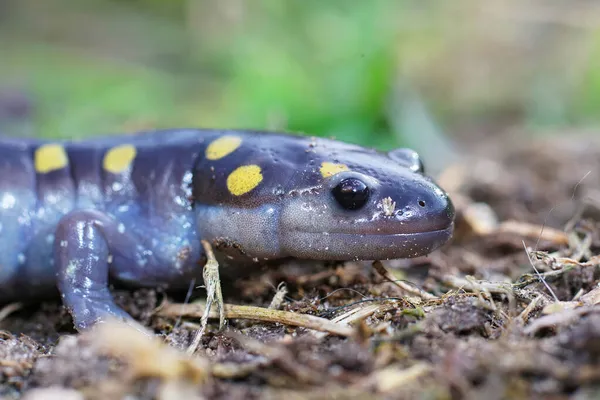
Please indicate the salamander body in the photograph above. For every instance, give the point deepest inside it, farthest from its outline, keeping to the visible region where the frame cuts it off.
(134, 208)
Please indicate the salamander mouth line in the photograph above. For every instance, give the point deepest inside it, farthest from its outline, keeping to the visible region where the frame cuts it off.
(448, 229)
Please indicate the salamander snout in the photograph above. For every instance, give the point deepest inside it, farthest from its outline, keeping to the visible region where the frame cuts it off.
(418, 207)
(429, 210)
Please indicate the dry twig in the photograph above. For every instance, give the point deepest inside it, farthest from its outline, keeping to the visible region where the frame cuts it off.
(411, 289)
(259, 314)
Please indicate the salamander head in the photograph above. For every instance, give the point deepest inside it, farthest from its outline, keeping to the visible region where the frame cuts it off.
(368, 206)
(274, 196)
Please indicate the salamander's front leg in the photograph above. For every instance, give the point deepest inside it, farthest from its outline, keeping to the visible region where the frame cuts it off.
(84, 241)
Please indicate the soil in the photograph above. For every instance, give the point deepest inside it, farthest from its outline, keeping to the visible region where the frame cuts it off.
(508, 309)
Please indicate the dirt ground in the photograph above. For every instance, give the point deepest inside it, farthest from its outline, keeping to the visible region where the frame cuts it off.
(508, 309)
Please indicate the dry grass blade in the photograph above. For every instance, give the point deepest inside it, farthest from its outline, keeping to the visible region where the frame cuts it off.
(533, 231)
(557, 266)
(561, 262)
(410, 289)
(564, 317)
(258, 314)
(474, 285)
(353, 315)
(528, 279)
(540, 276)
(524, 316)
(212, 282)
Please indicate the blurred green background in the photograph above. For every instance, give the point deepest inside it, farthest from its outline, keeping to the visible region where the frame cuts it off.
(377, 72)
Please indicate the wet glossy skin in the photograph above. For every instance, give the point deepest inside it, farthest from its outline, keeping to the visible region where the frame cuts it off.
(134, 208)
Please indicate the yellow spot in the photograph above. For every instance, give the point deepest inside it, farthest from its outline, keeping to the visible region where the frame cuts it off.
(222, 146)
(50, 157)
(329, 169)
(119, 158)
(243, 179)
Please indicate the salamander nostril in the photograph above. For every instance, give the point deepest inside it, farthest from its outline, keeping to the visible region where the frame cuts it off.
(421, 203)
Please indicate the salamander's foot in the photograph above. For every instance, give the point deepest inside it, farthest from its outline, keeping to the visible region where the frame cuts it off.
(212, 283)
(88, 313)
(90, 310)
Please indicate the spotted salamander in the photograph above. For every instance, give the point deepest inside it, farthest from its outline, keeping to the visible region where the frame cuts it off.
(134, 208)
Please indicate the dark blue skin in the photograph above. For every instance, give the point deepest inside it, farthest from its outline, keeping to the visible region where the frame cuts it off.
(79, 226)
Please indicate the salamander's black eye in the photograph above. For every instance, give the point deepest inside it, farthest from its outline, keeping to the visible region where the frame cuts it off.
(351, 193)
